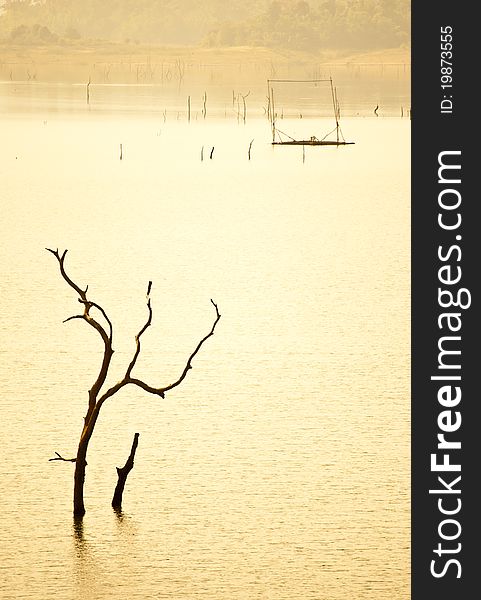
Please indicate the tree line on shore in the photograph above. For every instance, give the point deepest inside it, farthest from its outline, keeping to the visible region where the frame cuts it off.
(307, 25)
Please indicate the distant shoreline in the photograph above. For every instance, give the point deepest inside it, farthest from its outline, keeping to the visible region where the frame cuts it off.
(119, 63)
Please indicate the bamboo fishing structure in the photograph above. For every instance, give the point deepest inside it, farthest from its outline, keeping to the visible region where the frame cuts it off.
(313, 140)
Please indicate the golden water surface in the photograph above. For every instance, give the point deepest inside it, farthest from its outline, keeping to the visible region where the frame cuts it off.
(280, 468)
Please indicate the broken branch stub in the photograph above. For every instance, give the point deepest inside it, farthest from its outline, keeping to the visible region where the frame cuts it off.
(123, 473)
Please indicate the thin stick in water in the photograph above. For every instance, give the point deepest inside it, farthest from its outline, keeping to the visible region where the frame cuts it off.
(244, 115)
(249, 151)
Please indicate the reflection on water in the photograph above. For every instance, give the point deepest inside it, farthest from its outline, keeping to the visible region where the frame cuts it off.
(280, 469)
(360, 89)
(78, 535)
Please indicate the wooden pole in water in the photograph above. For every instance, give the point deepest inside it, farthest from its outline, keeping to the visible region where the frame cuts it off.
(338, 106)
(273, 112)
(245, 107)
(335, 109)
(88, 92)
(268, 101)
(249, 151)
(338, 113)
(121, 152)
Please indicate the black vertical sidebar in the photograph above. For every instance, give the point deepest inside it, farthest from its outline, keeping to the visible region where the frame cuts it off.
(446, 257)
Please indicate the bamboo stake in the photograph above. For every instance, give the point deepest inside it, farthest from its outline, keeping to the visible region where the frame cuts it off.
(273, 112)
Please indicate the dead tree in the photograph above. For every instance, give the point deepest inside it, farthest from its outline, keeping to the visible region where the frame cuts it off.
(122, 474)
(96, 396)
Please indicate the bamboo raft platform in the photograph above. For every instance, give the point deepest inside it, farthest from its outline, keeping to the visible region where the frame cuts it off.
(313, 143)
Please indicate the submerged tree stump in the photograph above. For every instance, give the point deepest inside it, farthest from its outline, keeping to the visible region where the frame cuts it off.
(123, 473)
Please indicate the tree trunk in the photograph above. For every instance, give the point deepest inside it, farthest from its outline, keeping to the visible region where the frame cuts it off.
(123, 473)
(79, 478)
(81, 461)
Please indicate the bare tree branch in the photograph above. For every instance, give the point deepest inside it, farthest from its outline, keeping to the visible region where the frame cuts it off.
(61, 260)
(137, 337)
(83, 299)
(147, 388)
(104, 314)
(188, 365)
(160, 391)
(107, 339)
(74, 317)
(59, 457)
